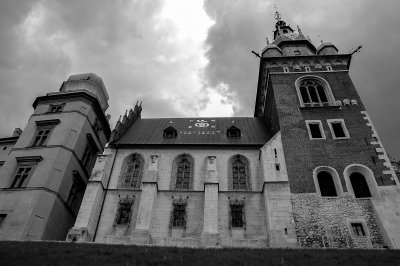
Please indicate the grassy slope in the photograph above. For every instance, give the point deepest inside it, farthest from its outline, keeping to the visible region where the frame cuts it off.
(58, 253)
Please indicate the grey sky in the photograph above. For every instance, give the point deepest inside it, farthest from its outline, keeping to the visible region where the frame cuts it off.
(145, 50)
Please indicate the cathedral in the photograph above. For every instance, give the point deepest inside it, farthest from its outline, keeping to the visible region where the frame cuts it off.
(307, 170)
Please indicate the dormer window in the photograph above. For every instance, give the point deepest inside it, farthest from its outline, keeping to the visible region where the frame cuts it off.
(233, 133)
(297, 52)
(170, 133)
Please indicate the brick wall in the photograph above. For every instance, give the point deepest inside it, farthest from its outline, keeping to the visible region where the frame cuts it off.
(325, 222)
(303, 154)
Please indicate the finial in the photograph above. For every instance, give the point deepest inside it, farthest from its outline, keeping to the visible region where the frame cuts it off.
(170, 122)
(277, 14)
(298, 29)
(119, 119)
(126, 112)
(137, 103)
(140, 104)
(319, 36)
(267, 40)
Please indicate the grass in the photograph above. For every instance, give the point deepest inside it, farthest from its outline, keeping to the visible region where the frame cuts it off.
(60, 253)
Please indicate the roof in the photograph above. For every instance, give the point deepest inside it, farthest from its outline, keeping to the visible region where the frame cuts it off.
(91, 77)
(197, 131)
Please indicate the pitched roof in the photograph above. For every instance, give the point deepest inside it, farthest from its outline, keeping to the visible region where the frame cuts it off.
(196, 131)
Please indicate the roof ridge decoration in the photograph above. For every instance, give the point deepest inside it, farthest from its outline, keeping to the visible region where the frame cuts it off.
(127, 121)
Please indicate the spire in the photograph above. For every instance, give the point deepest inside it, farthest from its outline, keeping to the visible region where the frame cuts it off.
(277, 14)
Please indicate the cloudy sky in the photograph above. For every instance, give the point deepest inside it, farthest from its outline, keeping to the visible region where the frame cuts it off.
(187, 58)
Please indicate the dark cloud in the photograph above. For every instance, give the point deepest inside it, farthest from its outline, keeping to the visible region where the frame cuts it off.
(242, 25)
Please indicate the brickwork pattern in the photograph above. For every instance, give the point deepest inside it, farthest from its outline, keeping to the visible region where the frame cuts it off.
(303, 154)
(325, 222)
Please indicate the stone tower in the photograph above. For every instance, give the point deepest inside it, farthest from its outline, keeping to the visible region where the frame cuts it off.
(44, 176)
(338, 170)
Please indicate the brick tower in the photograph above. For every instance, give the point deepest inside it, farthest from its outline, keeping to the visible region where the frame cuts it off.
(44, 176)
(339, 173)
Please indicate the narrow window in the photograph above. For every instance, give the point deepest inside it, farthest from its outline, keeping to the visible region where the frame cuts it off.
(285, 69)
(239, 169)
(308, 69)
(22, 174)
(338, 128)
(360, 185)
(315, 129)
(329, 68)
(326, 184)
(358, 229)
(41, 137)
(179, 216)
(76, 192)
(89, 155)
(237, 220)
(277, 167)
(276, 153)
(2, 219)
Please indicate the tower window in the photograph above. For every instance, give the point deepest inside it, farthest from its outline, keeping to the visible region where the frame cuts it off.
(360, 185)
(326, 184)
(329, 68)
(56, 108)
(338, 128)
(76, 192)
(297, 52)
(22, 174)
(43, 131)
(315, 129)
(313, 93)
(2, 219)
(286, 69)
(308, 69)
(358, 229)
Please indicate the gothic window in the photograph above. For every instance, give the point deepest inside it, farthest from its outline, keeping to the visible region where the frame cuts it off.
(132, 171)
(182, 172)
(358, 229)
(43, 131)
(239, 173)
(314, 92)
(124, 212)
(338, 129)
(237, 214)
(170, 133)
(233, 133)
(360, 185)
(326, 184)
(315, 129)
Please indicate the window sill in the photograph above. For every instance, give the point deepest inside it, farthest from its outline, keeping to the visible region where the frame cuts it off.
(332, 107)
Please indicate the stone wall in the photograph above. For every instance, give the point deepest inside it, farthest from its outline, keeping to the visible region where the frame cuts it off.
(326, 222)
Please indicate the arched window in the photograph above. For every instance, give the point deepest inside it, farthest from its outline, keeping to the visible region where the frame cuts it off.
(326, 184)
(182, 173)
(360, 185)
(132, 171)
(314, 92)
(239, 173)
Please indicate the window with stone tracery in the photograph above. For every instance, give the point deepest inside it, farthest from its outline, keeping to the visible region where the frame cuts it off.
(132, 171)
(239, 173)
(182, 172)
(314, 92)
